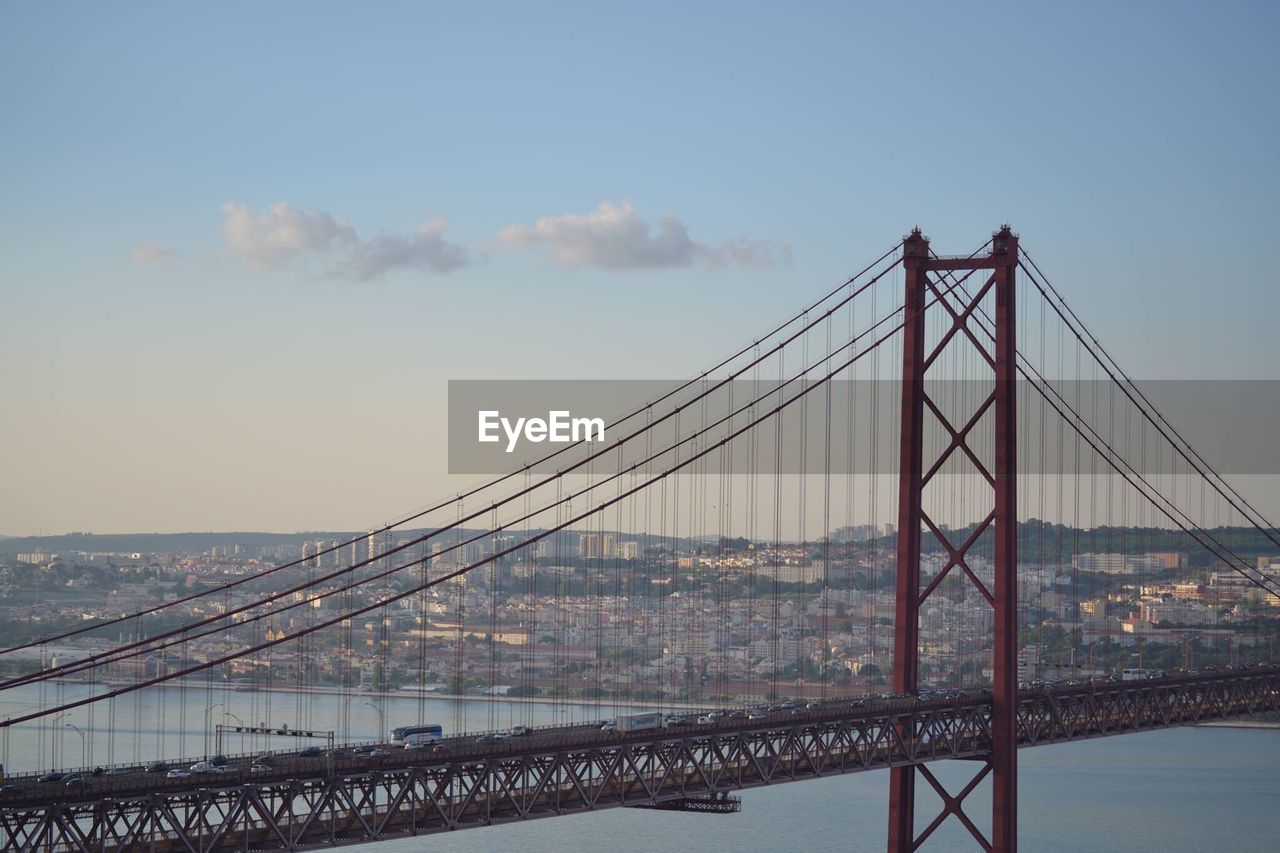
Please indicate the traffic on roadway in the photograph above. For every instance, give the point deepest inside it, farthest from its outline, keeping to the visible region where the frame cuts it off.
(427, 744)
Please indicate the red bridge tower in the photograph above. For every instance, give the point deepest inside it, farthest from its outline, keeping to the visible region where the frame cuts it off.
(921, 287)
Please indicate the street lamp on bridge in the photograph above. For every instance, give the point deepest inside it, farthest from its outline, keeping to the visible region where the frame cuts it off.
(382, 720)
(84, 746)
(55, 742)
(207, 712)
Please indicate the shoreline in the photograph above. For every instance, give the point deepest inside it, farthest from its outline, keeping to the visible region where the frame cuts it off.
(413, 695)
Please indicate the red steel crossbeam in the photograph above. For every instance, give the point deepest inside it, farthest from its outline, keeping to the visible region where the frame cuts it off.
(1001, 764)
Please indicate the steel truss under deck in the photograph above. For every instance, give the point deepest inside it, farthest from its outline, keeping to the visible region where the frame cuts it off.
(497, 783)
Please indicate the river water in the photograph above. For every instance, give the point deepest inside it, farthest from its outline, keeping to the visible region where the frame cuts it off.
(1177, 790)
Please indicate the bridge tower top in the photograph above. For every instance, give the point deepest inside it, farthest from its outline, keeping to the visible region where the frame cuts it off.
(915, 244)
(1004, 242)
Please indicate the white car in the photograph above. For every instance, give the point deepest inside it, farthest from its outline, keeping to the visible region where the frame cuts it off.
(178, 774)
(706, 720)
(203, 767)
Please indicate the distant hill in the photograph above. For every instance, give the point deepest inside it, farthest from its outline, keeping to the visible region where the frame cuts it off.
(173, 543)
(200, 543)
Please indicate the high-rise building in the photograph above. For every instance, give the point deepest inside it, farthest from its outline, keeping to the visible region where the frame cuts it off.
(590, 546)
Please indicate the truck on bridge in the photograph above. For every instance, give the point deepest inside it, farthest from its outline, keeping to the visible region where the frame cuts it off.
(640, 722)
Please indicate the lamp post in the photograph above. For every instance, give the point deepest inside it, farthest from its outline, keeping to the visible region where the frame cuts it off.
(84, 745)
(382, 720)
(207, 712)
(55, 740)
(239, 722)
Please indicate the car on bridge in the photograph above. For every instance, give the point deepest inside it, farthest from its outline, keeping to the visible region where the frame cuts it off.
(178, 773)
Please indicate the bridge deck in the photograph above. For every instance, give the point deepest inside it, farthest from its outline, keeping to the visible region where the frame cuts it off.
(315, 802)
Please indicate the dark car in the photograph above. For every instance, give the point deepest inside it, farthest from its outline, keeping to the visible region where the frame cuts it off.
(311, 752)
(219, 761)
(52, 777)
(10, 790)
(265, 760)
(157, 767)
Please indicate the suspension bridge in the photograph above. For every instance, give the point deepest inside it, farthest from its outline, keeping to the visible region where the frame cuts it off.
(927, 517)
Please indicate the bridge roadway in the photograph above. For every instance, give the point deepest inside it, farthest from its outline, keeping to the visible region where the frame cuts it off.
(310, 802)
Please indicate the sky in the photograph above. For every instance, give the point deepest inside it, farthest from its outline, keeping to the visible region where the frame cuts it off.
(243, 247)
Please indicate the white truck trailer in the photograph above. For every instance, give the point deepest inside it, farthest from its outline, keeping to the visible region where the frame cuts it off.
(640, 722)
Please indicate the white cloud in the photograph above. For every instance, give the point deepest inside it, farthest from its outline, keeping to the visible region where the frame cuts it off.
(284, 233)
(746, 252)
(425, 249)
(281, 234)
(613, 236)
(149, 253)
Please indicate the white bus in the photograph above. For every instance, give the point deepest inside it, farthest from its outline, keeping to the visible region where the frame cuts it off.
(433, 731)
